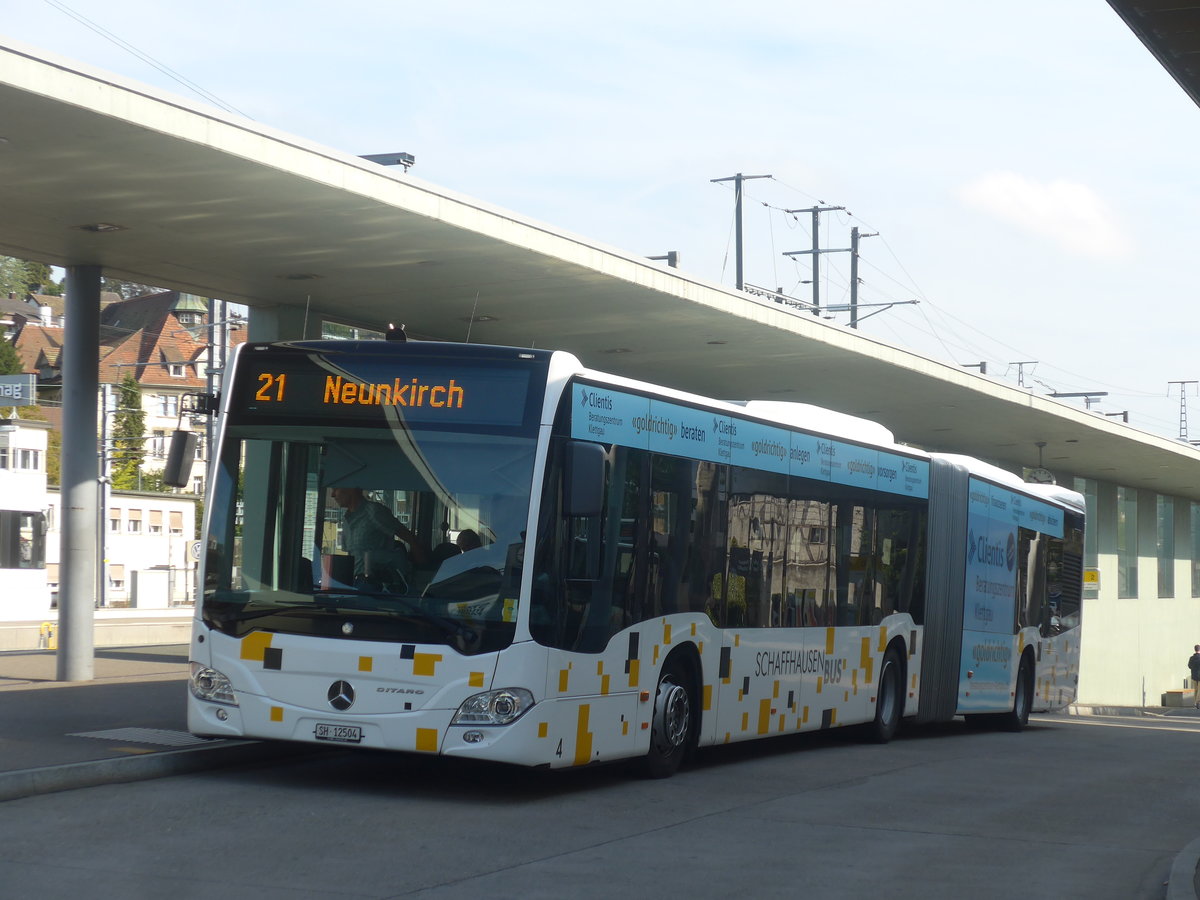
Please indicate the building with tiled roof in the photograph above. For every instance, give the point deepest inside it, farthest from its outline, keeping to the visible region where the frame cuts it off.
(160, 339)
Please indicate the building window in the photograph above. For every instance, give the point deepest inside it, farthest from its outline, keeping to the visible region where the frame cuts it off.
(22, 540)
(176, 522)
(175, 370)
(168, 405)
(3, 457)
(1196, 549)
(26, 459)
(133, 525)
(1165, 542)
(114, 520)
(198, 485)
(199, 446)
(1127, 548)
(156, 521)
(158, 444)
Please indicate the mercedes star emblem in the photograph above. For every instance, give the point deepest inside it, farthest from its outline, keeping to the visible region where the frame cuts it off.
(341, 695)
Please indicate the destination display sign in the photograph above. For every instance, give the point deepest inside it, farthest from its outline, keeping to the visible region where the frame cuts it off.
(619, 417)
(987, 501)
(416, 391)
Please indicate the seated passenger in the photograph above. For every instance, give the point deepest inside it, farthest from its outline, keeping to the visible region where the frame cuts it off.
(474, 555)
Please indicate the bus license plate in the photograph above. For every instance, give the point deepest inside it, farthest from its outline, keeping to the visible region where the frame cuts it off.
(343, 734)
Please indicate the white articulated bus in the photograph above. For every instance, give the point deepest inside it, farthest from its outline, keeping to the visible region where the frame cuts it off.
(497, 553)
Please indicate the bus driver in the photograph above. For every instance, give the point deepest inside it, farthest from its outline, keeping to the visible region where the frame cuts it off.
(368, 534)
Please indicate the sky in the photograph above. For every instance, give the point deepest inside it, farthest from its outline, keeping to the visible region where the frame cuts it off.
(1026, 169)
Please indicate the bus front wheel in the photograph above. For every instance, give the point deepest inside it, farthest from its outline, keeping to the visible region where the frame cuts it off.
(674, 721)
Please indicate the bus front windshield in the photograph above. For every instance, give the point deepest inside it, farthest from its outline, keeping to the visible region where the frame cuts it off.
(363, 533)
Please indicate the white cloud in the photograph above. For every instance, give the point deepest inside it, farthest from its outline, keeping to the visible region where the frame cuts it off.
(1071, 214)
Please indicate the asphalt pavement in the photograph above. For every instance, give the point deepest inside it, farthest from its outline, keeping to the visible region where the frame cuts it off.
(130, 724)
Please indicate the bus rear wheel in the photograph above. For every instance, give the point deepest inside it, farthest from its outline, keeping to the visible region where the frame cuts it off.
(1018, 718)
(889, 700)
(673, 725)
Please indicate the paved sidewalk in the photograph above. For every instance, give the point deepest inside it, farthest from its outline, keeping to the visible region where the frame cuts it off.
(127, 724)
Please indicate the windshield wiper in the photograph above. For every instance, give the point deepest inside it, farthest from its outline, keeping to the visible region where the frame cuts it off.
(465, 636)
(232, 617)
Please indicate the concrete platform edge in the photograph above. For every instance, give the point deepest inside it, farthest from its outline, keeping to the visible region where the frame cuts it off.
(94, 773)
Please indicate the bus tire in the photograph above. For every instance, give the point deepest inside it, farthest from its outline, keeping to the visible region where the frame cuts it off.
(673, 725)
(889, 699)
(1018, 717)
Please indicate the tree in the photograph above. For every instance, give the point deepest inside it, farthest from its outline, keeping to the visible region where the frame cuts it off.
(129, 427)
(10, 359)
(14, 277)
(53, 451)
(21, 277)
(41, 279)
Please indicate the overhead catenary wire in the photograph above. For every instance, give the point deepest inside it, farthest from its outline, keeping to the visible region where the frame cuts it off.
(958, 339)
(144, 57)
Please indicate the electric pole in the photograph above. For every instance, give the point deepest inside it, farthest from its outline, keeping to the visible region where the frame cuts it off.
(1021, 370)
(854, 236)
(737, 212)
(1183, 426)
(816, 250)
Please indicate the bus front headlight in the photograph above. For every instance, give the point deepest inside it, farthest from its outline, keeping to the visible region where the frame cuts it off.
(209, 684)
(500, 707)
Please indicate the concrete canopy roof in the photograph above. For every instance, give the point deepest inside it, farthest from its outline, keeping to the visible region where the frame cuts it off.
(1170, 29)
(218, 206)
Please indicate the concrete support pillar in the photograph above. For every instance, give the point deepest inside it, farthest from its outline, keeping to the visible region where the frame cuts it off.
(80, 472)
(276, 323)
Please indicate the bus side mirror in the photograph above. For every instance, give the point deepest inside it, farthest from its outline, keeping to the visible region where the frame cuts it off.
(178, 470)
(583, 480)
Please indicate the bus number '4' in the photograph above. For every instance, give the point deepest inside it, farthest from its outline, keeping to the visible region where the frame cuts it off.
(558, 752)
(271, 383)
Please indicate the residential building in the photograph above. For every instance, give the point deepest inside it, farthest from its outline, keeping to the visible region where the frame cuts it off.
(24, 591)
(146, 546)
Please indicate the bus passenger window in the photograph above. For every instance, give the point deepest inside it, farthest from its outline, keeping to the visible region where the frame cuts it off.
(671, 483)
(854, 566)
(807, 557)
(898, 542)
(705, 559)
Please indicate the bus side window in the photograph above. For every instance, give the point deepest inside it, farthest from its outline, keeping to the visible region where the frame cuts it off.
(672, 480)
(807, 557)
(854, 568)
(703, 582)
(897, 544)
